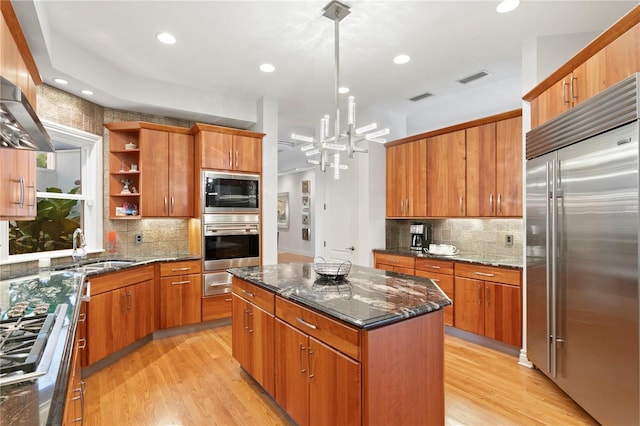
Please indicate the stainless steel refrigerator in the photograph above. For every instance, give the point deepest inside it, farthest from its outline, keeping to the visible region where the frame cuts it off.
(582, 253)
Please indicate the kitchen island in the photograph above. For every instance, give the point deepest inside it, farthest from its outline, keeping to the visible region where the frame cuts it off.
(367, 349)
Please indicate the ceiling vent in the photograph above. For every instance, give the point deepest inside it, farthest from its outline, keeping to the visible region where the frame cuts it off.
(474, 77)
(421, 97)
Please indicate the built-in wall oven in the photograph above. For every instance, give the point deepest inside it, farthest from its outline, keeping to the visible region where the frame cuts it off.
(229, 240)
(230, 193)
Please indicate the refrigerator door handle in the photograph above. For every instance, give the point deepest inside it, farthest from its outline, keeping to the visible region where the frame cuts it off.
(553, 290)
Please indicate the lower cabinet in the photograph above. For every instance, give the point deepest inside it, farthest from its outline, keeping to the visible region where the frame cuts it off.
(120, 312)
(487, 306)
(394, 263)
(252, 331)
(180, 293)
(441, 272)
(74, 405)
(315, 384)
(216, 307)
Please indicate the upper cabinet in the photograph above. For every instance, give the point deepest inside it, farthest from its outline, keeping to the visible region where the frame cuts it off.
(222, 148)
(610, 58)
(407, 180)
(151, 171)
(472, 169)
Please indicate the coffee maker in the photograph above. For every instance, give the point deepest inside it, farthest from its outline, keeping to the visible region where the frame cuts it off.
(420, 235)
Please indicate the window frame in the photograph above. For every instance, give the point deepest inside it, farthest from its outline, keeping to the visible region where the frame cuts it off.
(91, 155)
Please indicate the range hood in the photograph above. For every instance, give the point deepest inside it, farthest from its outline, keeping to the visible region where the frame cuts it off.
(20, 127)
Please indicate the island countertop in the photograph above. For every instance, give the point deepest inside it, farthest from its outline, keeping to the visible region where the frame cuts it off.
(367, 298)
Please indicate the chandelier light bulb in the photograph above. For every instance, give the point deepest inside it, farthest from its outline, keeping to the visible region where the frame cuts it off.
(365, 129)
(302, 138)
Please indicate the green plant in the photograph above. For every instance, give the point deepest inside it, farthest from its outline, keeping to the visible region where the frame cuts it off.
(52, 228)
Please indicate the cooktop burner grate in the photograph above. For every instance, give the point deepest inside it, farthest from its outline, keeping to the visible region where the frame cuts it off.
(22, 342)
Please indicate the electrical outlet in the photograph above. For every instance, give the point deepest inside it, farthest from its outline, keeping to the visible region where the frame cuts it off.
(139, 238)
(508, 239)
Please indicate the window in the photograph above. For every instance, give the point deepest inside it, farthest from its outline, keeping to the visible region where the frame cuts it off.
(69, 191)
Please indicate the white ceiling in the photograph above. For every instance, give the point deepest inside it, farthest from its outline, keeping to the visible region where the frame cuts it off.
(211, 74)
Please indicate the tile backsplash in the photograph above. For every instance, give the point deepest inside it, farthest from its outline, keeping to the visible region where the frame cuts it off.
(475, 235)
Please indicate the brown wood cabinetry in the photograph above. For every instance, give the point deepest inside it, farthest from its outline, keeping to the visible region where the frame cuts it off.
(315, 384)
(74, 406)
(180, 293)
(446, 165)
(228, 149)
(120, 312)
(607, 60)
(441, 272)
(252, 332)
(488, 302)
(216, 307)
(407, 180)
(18, 198)
(494, 164)
(394, 263)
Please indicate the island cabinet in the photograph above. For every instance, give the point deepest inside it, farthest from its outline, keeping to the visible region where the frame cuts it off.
(407, 180)
(607, 60)
(120, 312)
(228, 149)
(315, 383)
(394, 263)
(180, 293)
(489, 302)
(252, 330)
(440, 272)
(493, 164)
(446, 166)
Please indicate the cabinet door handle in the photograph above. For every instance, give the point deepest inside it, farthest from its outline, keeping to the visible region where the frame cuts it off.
(490, 203)
(33, 197)
(82, 343)
(484, 274)
(230, 160)
(309, 354)
(173, 204)
(248, 293)
(407, 206)
(479, 295)
(572, 88)
(244, 320)
(130, 296)
(236, 158)
(180, 282)
(186, 268)
(20, 182)
(499, 203)
(564, 92)
(486, 295)
(123, 301)
(82, 317)
(301, 349)
(165, 204)
(87, 292)
(461, 200)
(250, 316)
(303, 322)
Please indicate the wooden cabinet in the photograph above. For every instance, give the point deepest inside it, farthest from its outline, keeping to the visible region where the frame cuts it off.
(180, 293)
(315, 385)
(74, 405)
(494, 169)
(446, 166)
(441, 272)
(216, 307)
(394, 263)
(610, 58)
(18, 198)
(156, 160)
(252, 332)
(167, 182)
(407, 180)
(120, 312)
(488, 302)
(222, 150)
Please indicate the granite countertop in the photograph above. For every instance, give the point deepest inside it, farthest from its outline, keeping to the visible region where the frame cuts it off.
(463, 256)
(42, 401)
(367, 298)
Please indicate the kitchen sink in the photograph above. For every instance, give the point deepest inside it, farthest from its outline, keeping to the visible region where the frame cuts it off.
(107, 264)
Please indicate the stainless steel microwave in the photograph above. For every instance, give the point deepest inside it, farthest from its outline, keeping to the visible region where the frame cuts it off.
(230, 193)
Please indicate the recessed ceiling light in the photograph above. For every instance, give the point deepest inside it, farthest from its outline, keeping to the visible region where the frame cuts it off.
(60, 81)
(343, 90)
(166, 38)
(87, 92)
(507, 6)
(401, 59)
(267, 68)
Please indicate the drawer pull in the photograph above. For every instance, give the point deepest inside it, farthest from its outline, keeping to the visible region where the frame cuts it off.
(303, 322)
(435, 280)
(432, 266)
(248, 293)
(82, 343)
(180, 282)
(180, 269)
(485, 274)
(227, 300)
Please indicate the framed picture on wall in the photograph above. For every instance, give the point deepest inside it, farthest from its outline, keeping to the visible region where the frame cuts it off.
(306, 234)
(306, 201)
(283, 210)
(305, 218)
(306, 186)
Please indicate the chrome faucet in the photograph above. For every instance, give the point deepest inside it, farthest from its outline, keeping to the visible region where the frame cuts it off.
(83, 243)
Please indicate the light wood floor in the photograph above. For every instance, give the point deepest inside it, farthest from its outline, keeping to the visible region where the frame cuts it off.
(193, 380)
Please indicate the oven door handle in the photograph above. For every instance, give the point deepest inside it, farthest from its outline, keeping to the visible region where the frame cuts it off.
(211, 233)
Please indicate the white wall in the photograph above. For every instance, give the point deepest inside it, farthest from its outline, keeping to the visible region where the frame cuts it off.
(290, 239)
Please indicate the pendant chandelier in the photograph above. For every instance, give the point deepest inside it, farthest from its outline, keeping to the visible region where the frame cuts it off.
(329, 148)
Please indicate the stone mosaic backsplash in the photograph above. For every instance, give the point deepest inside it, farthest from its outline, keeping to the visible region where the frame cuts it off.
(475, 235)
